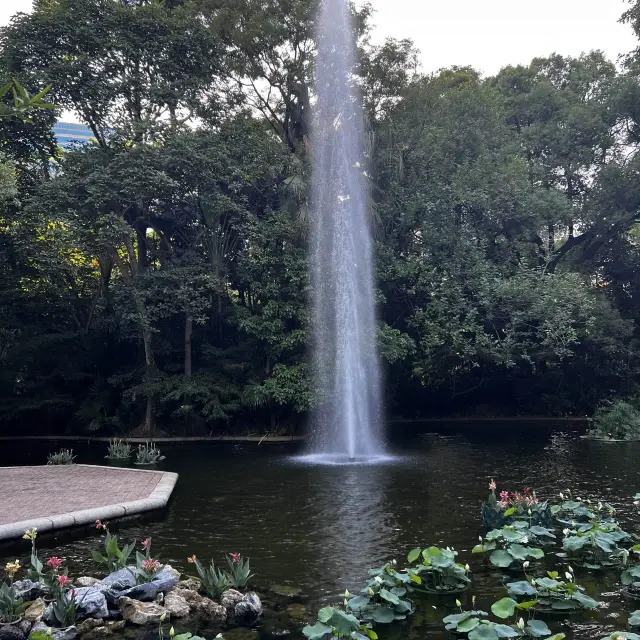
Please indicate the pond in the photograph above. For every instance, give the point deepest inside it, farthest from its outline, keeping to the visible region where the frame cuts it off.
(319, 528)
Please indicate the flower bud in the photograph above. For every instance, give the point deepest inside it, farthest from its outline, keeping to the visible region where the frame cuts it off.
(172, 632)
(525, 564)
(520, 624)
(458, 603)
(467, 568)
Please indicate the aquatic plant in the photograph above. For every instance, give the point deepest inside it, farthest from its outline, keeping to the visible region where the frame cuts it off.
(518, 505)
(239, 571)
(119, 450)
(594, 544)
(335, 623)
(474, 624)
(114, 558)
(383, 599)
(573, 510)
(146, 567)
(65, 608)
(213, 580)
(147, 453)
(64, 456)
(618, 420)
(439, 570)
(11, 607)
(508, 547)
(553, 593)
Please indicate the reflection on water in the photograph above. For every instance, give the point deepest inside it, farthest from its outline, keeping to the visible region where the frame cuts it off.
(321, 527)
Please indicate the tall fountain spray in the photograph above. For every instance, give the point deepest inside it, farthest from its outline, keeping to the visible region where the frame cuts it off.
(347, 422)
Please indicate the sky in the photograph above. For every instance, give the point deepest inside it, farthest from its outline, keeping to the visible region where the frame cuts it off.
(487, 34)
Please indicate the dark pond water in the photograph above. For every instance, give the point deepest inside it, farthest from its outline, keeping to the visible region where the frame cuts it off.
(321, 527)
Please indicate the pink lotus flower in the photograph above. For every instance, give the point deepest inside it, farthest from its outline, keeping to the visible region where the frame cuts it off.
(492, 485)
(63, 581)
(146, 543)
(505, 496)
(54, 563)
(151, 565)
(235, 557)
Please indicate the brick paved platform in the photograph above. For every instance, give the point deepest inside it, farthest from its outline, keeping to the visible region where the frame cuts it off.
(54, 497)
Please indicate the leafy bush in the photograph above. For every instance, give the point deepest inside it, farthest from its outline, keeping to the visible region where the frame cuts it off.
(148, 454)
(64, 456)
(119, 450)
(619, 420)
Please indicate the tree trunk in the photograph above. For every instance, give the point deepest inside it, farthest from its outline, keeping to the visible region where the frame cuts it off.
(188, 331)
(149, 420)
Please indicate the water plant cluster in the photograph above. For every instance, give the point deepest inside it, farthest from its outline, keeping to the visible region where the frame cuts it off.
(145, 454)
(584, 533)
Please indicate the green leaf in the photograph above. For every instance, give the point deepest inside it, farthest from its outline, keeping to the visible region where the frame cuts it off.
(414, 554)
(634, 618)
(500, 558)
(505, 631)
(547, 583)
(521, 588)
(317, 631)
(509, 512)
(538, 628)
(517, 551)
(344, 623)
(483, 632)
(504, 608)
(467, 625)
(389, 597)
(584, 600)
(383, 615)
(535, 553)
(325, 614)
(415, 577)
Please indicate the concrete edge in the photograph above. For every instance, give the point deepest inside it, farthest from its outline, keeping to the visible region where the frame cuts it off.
(157, 499)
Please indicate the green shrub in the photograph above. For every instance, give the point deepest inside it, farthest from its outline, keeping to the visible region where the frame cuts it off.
(619, 420)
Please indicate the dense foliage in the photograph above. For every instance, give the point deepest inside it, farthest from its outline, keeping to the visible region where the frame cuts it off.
(160, 273)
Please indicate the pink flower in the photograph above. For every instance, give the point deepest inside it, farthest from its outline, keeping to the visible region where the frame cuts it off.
(492, 485)
(527, 490)
(63, 581)
(146, 543)
(505, 496)
(151, 565)
(100, 525)
(503, 504)
(518, 497)
(235, 557)
(531, 501)
(54, 563)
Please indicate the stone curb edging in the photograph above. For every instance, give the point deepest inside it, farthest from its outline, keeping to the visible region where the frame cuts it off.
(157, 499)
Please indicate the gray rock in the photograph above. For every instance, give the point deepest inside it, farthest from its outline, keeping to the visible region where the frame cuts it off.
(248, 610)
(230, 598)
(12, 632)
(141, 613)
(89, 624)
(209, 610)
(189, 584)
(90, 603)
(25, 627)
(118, 584)
(34, 611)
(68, 633)
(28, 590)
(176, 605)
(190, 596)
(86, 581)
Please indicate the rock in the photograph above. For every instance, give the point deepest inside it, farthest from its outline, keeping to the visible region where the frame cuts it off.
(159, 599)
(286, 591)
(28, 590)
(141, 613)
(12, 632)
(190, 596)
(230, 598)
(190, 584)
(89, 624)
(91, 603)
(25, 627)
(115, 584)
(248, 610)
(165, 580)
(97, 634)
(297, 612)
(210, 611)
(176, 605)
(86, 581)
(34, 611)
(68, 633)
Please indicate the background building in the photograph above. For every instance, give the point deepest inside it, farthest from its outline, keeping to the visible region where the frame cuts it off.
(67, 133)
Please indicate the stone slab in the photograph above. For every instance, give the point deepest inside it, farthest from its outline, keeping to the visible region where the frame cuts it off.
(60, 496)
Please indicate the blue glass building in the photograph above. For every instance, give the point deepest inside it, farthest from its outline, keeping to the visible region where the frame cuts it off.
(67, 133)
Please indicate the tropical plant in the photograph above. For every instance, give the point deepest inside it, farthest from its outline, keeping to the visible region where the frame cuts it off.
(618, 420)
(239, 571)
(476, 627)
(65, 608)
(23, 103)
(114, 557)
(11, 606)
(552, 593)
(594, 544)
(148, 454)
(35, 573)
(55, 577)
(439, 570)
(335, 623)
(213, 580)
(119, 450)
(64, 456)
(508, 547)
(514, 506)
(383, 599)
(146, 567)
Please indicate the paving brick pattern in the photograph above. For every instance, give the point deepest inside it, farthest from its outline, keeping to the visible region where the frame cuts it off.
(27, 493)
